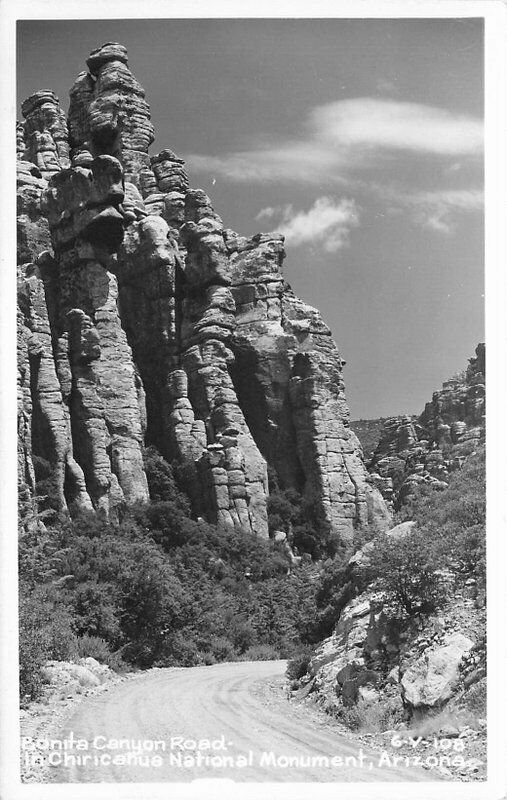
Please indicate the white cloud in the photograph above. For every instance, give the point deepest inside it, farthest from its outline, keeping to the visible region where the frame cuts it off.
(339, 137)
(437, 210)
(328, 222)
(303, 162)
(394, 125)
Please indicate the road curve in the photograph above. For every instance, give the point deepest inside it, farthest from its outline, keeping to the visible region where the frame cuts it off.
(223, 721)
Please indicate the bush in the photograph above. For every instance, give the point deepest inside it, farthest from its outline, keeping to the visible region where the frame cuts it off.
(454, 520)
(179, 650)
(160, 589)
(260, 652)
(46, 631)
(161, 482)
(299, 664)
(302, 519)
(222, 648)
(407, 570)
(373, 716)
(33, 650)
(242, 632)
(97, 648)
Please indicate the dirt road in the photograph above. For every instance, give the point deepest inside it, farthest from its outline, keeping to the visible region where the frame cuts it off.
(223, 721)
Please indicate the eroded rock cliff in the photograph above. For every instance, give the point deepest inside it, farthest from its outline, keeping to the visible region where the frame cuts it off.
(144, 319)
(426, 449)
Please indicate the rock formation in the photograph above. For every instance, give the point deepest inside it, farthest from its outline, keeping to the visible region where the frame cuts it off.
(427, 448)
(144, 319)
(391, 666)
(370, 656)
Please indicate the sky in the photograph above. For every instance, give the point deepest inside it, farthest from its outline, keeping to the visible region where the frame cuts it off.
(360, 140)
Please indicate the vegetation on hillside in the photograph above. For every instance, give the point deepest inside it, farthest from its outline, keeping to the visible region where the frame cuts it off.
(418, 572)
(158, 589)
(164, 589)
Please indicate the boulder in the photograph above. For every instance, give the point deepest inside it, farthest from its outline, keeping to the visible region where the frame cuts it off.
(68, 675)
(430, 680)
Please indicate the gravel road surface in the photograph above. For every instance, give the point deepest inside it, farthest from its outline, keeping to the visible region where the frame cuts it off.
(224, 721)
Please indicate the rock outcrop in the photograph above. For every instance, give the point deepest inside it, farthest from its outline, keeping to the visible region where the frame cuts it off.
(415, 665)
(144, 319)
(404, 665)
(425, 449)
(385, 664)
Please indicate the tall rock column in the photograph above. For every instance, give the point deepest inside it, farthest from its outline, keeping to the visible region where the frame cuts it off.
(44, 429)
(108, 113)
(160, 319)
(288, 376)
(45, 133)
(94, 361)
(231, 466)
(146, 269)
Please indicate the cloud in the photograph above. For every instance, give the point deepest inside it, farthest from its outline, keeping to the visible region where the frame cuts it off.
(394, 125)
(437, 210)
(293, 161)
(340, 137)
(328, 222)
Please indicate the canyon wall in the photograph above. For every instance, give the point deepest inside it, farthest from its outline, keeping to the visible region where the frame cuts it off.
(144, 320)
(426, 449)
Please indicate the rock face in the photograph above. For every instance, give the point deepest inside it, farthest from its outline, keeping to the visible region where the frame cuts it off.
(372, 656)
(353, 657)
(144, 319)
(427, 448)
(430, 681)
(407, 665)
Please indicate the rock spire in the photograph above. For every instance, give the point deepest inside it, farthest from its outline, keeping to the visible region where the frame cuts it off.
(143, 319)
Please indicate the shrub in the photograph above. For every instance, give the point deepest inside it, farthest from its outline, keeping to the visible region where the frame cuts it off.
(260, 652)
(336, 586)
(299, 664)
(178, 650)
(453, 521)
(372, 716)
(95, 604)
(283, 509)
(161, 589)
(407, 570)
(222, 648)
(303, 520)
(242, 632)
(208, 659)
(97, 648)
(161, 481)
(46, 631)
(168, 524)
(33, 650)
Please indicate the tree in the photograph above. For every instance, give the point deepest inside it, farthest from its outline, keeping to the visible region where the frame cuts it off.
(408, 570)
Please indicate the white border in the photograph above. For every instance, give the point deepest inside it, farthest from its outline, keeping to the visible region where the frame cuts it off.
(495, 15)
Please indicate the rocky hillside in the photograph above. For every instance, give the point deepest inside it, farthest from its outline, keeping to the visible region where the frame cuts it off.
(368, 431)
(407, 649)
(143, 319)
(426, 449)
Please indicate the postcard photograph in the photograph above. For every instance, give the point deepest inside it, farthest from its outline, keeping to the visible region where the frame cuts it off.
(251, 402)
